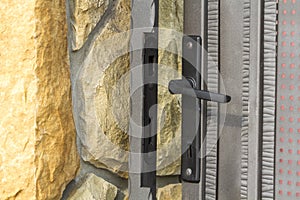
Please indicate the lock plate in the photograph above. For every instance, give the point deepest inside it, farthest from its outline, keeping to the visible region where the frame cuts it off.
(191, 118)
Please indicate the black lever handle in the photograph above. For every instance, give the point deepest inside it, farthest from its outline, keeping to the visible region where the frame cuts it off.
(185, 87)
(189, 87)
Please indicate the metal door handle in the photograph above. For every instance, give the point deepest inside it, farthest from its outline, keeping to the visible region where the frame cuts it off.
(190, 88)
(186, 87)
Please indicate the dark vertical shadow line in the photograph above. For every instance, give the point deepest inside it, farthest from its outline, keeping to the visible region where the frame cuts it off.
(204, 103)
(218, 121)
(261, 94)
(156, 20)
(153, 189)
(156, 25)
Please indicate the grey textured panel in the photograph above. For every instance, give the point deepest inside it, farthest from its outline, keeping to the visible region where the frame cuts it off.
(269, 91)
(255, 99)
(213, 86)
(231, 60)
(288, 102)
(245, 97)
(190, 191)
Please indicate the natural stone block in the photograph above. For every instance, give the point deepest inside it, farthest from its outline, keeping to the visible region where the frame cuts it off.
(101, 96)
(169, 115)
(94, 188)
(85, 16)
(171, 14)
(170, 192)
(37, 136)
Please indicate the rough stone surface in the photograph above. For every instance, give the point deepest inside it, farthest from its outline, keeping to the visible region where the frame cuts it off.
(171, 14)
(102, 98)
(85, 16)
(38, 155)
(55, 149)
(170, 192)
(94, 188)
(18, 87)
(169, 117)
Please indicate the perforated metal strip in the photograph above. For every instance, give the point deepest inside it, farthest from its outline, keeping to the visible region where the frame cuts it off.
(288, 102)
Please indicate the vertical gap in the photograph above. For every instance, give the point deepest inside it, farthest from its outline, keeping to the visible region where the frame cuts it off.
(151, 68)
(150, 139)
(156, 20)
(148, 179)
(190, 152)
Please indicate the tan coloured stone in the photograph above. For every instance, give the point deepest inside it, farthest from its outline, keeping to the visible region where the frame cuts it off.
(18, 86)
(37, 137)
(94, 188)
(170, 192)
(102, 98)
(85, 16)
(56, 155)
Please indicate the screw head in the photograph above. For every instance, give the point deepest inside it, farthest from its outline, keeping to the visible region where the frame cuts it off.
(189, 45)
(189, 172)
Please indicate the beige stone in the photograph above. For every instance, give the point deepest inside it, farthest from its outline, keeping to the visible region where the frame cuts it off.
(103, 85)
(94, 188)
(169, 115)
(170, 192)
(102, 98)
(171, 15)
(85, 16)
(38, 154)
(104, 143)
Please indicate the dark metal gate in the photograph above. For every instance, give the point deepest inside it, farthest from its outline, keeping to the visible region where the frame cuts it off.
(249, 147)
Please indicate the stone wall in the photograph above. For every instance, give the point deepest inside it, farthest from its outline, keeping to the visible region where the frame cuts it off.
(38, 155)
(99, 55)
